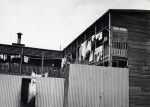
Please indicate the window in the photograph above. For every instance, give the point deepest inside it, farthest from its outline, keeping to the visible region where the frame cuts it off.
(119, 34)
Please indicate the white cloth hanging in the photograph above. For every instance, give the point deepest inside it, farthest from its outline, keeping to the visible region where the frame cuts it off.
(26, 59)
(93, 38)
(80, 53)
(88, 48)
(32, 89)
(91, 56)
(1, 56)
(100, 36)
(5, 57)
(98, 53)
(84, 45)
(63, 62)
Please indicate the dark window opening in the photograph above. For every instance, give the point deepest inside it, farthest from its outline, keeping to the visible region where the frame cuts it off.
(28, 92)
(119, 63)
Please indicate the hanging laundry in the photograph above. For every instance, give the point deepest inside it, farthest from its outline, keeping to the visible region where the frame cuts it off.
(26, 59)
(105, 38)
(80, 53)
(99, 39)
(46, 74)
(100, 36)
(32, 90)
(1, 56)
(87, 50)
(98, 53)
(84, 45)
(89, 46)
(11, 57)
(91, 56)
(93, 37)
(5, 57)
(93, 42)
(33, 74)
(14, 57)
(63, 62)
(38, 75)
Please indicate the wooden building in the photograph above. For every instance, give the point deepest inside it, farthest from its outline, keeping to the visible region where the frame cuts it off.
(21, 60)
(119, 38)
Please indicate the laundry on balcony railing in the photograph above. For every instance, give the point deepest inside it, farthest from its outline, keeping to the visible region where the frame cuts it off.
(92, 49)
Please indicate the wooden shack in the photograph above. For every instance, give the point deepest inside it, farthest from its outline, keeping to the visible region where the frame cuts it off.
(21, 60)
(122, 37)
(119, 38)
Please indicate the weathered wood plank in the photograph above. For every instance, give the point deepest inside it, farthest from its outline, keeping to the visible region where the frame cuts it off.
(138, 26)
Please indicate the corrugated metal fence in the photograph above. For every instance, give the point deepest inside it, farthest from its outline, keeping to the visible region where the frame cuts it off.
(93, 86)
(49, 91)
(85, 86)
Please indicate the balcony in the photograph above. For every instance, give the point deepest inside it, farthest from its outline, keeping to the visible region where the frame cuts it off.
(14, 68)
(119, 49)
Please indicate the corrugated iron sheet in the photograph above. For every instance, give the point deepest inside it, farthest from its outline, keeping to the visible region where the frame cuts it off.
(93, 86)
(49, 91)
(10, 90)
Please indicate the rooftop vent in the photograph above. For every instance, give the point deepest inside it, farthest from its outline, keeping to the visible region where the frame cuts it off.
(18, 40)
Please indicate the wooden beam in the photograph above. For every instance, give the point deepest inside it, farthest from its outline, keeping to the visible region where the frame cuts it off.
(42, 62)
(21, 61)
(110, 41)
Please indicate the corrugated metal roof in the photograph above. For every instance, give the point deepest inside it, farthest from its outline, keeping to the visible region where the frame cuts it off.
(29, 51)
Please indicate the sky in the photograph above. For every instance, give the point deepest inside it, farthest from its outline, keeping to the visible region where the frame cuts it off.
(53, 24)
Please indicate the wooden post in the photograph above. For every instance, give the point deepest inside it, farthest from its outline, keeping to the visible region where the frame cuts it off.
(42, 62)
(103, 53)
(77, 51)
(21, 61)
(110, 42)
(94, 46)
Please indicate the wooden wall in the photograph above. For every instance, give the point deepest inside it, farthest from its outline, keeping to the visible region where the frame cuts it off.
(97, 86)
(29, 51)
(138, 25)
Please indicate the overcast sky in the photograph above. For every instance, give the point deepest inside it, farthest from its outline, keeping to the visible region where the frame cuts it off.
(51, 23)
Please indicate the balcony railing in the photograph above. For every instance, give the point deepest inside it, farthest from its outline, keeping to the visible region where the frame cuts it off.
(119, 49)
(14, 68)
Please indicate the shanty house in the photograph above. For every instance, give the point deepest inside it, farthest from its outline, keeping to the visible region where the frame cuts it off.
(114, 53)
(119, 38)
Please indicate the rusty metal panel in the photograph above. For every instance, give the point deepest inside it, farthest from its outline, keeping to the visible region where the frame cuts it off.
(95, 86)
(50, 92)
